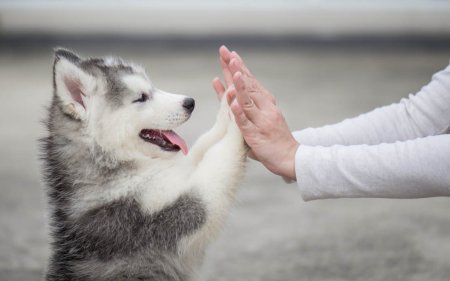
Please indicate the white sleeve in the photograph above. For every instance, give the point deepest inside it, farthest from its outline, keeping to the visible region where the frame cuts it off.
(423, 114)
(409, 169)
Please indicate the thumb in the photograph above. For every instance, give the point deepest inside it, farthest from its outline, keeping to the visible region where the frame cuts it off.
(218, 87)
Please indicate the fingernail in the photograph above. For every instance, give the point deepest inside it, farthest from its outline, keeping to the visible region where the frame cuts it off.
(225, 47)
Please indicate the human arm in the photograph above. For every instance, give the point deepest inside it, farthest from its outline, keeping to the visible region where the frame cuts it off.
(410, 169)
(424, 114)
(306, 180)
(406, 157)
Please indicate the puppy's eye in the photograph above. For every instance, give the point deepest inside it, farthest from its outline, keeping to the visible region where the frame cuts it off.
(143, 98)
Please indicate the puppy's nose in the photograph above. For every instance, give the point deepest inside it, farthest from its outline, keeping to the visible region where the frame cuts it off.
(189, 104)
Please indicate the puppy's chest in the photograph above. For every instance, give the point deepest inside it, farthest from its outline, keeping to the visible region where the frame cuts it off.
(120, 229)
(157, 200)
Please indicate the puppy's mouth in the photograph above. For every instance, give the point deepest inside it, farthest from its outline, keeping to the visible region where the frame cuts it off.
(168, 140)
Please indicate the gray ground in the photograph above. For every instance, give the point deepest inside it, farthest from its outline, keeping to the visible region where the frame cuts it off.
(271, 233)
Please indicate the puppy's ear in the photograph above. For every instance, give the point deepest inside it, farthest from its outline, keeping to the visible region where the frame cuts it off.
(71, 83)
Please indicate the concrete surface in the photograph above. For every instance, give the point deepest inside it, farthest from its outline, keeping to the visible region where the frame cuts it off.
(271, 233)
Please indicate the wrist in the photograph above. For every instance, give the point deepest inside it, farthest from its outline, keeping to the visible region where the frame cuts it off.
(286, 167)
(290, 174)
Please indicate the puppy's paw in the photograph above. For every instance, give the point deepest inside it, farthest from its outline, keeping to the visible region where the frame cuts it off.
(223, 116)
(234, 132)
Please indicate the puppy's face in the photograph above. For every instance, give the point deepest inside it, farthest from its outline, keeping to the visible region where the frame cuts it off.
(119, 107)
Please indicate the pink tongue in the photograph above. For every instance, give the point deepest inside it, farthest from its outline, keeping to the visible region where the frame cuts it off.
(176, 139)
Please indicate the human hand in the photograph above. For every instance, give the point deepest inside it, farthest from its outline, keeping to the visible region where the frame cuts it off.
(261, 122)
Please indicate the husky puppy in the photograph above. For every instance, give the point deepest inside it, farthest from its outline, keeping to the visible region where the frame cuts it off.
(128, 202)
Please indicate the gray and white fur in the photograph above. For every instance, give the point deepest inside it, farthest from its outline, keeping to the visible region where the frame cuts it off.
(127, 204)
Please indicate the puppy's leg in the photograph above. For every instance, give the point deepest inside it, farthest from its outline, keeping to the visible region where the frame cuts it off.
(218, 174)
(212, 136)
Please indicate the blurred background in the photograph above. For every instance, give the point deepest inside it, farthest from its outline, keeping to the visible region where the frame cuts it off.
(324, 60)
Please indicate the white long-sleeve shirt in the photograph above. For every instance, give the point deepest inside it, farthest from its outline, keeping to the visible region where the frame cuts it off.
(397, 151)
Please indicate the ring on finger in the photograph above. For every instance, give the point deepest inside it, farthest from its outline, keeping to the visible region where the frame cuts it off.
(249, 103)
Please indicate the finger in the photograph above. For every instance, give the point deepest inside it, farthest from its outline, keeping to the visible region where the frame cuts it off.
(244, 124)
(241, 63)
(260, 95)
(218, 87)
(244, 99)
(226, 73)
(231, 96)
(235, 66)
(242, 91)
(225, 54)
(236, 55)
